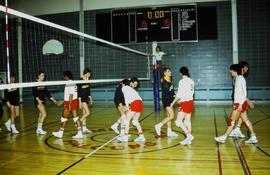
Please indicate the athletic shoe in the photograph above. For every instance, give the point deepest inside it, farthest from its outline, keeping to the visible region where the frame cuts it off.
(86, 130)
(158, 129)
(141, 138)
(14, 129)
(233, 133)
(221, 139)
(190, 137)
(122, 138)
(240, 134)
(252, 139)
(41, 132)
(186, 141)
(172, 134)
(8, 125)
(115, 129)
(58, 134)
(78, 135)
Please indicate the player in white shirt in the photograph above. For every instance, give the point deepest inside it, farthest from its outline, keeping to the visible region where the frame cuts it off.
(70, 106)
(236, 132)
(134, 102)
(239, 107)
(184, 97)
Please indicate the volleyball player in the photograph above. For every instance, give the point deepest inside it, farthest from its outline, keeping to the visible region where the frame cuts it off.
(40, 93)
(237, 132)
(239, 107)
(184, 97)
(167, 98)
(134, 101)
(85, 98)
(70, 106)
(12, 98)
(119, 101)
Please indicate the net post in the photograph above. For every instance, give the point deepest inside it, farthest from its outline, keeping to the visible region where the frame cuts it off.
(156, 75)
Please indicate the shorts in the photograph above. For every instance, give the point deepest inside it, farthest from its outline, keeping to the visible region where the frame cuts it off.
(85, 99)
(186, 106)
(136, 106)
(166, 101)
(74, 105)
(244, 106)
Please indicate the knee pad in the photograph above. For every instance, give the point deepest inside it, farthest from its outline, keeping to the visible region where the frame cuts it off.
(179, 123)
(63, 119)
(75, 119)
(135, 122)
(230, 122)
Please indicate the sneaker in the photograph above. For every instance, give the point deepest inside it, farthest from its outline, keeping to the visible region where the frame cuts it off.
(58, 134)
(78, 135)
(8, 125)
(141, 138)
(252, 139)
(233, 133)
(186, 141)
(14, 129)
(190, 137)
(158, 129)
(41, 132)
(171, 134)
(115, 129)
(221, 139)
(86, 130)
(240, 134)
(122, 138)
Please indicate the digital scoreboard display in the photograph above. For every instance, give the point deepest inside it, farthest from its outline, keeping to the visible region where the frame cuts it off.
(155, 24)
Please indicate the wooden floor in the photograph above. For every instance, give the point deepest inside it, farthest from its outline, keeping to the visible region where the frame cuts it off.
(28, 153)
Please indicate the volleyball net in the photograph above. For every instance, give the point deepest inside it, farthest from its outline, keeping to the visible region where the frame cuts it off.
(54, 44)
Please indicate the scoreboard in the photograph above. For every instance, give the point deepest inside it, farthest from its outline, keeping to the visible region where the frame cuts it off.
(155, 24)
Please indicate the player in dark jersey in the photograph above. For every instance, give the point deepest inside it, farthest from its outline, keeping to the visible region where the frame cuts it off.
(119, 101)
(12, 98)
(1, 105)
(168, 96)
(40, 93)
(85, 98)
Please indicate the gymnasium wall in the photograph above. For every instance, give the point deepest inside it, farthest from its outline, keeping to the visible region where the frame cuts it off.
(208, 60)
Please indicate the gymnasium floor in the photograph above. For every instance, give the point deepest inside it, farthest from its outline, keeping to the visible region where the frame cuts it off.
(28, 153)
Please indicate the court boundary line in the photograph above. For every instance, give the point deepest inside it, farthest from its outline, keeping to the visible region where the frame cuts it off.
(92, 152)
(239, 152)
(217, 144)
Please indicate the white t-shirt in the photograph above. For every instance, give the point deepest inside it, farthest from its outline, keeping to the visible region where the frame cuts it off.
(157, 56)
(130, 94)
(240, 90)
(185, 89)
(70, 89)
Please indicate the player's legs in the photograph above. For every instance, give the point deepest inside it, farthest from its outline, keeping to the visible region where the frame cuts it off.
(41, 117)
(253, 138)
(86, 113)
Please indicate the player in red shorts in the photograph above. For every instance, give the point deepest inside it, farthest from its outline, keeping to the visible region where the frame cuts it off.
(184, 97)
(70, 106)
(236, 132)
(134, 101)
(239, 107)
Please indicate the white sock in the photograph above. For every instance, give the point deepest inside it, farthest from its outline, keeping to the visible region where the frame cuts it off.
(39, 126)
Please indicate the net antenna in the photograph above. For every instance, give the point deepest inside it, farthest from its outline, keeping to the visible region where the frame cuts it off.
(76, 35)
